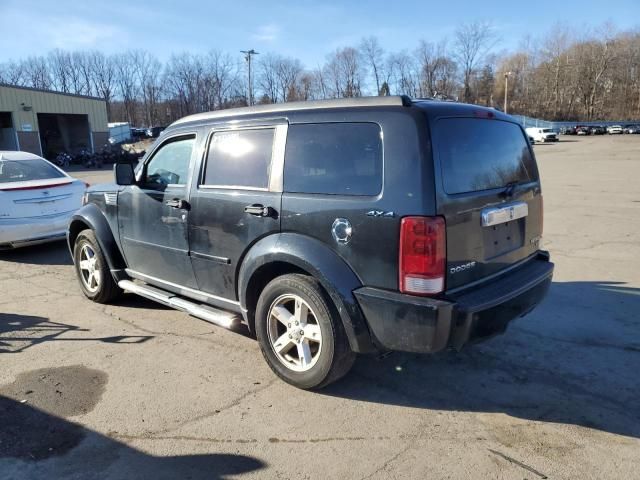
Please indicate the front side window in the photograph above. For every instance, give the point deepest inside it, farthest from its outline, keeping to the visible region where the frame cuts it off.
(240, 158)
(170, 164)
(334, 158)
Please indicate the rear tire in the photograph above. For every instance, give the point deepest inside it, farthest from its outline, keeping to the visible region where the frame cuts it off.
(92, 269)
(301, 334)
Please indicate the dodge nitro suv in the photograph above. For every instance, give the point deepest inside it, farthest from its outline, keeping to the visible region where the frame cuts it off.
(328, 228)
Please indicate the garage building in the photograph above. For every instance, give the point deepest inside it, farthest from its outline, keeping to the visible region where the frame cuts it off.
(47, 123)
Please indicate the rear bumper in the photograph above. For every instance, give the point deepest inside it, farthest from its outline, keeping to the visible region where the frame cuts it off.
(424, 325)
(30, 231)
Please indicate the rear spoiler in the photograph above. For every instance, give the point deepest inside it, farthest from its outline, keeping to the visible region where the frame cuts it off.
(33, 185)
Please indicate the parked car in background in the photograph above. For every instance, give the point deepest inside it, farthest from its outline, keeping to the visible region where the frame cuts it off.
(296, 219)
(37, 200)
(632, 129)
(598, 130)
(154, 132)
(542, 134)
(615, 130)
(138, 133)
(582, 130)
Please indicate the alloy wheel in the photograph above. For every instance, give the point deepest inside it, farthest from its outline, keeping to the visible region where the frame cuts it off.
(89, 270)
(294, 332)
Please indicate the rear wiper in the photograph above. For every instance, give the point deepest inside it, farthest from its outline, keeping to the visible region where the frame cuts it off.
(509, 188)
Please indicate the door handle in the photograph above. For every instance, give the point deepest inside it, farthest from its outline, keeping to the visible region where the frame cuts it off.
(259, 210)
(178, 203)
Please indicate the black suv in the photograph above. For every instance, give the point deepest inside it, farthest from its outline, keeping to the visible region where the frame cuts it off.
(329, 228)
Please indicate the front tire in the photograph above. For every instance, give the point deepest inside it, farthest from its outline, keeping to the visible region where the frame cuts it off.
(92, 270)
(300, 333)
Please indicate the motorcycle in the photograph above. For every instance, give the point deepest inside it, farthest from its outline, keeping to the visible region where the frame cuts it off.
(62, 160)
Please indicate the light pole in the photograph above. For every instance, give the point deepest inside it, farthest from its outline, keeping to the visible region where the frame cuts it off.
(247, 56)
(506, 89)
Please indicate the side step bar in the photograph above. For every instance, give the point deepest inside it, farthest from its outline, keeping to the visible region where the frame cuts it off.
(204, 312)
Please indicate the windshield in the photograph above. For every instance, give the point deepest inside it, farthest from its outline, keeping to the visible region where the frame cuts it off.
(478, 154)
(25, 170)
(547, 130)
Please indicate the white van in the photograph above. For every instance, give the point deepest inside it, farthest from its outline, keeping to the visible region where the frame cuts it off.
(542, 134)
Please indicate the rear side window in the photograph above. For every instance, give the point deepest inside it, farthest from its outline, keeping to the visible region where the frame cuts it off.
(479, 154)
(334, 158)
(25, 170)
(240, 158)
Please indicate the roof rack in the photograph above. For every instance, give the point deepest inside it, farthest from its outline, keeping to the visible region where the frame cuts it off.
(397, 100)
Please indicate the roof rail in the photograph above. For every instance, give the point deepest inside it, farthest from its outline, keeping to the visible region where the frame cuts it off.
(397, 100)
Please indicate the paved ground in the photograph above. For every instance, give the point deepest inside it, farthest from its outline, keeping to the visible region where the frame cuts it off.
(138, 391)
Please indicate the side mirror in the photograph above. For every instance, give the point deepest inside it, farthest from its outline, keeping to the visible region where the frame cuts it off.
(124, 174)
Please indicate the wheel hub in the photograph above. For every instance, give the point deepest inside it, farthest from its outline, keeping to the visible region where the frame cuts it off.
(294, 332)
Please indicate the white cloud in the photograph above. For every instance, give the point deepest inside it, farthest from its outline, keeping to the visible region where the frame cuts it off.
(266, 33)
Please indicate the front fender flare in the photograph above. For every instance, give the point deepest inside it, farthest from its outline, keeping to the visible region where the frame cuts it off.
(326, 266)
(91, 217)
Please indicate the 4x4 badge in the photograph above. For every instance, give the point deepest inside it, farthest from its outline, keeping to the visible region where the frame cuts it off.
(380, 213)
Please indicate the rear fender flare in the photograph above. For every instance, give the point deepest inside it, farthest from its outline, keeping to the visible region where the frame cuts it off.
(312, 256)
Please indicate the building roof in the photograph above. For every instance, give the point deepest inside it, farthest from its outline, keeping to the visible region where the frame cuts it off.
(89, 97)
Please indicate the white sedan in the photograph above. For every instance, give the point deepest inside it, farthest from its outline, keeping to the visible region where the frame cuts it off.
(37, 200)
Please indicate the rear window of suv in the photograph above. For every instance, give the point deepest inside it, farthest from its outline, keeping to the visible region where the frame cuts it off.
(480, 154)
(334, 158)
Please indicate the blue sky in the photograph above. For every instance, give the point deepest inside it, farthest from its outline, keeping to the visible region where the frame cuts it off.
(304, 29)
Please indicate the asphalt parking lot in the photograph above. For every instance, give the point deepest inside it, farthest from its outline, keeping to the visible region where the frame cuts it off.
(135, 390)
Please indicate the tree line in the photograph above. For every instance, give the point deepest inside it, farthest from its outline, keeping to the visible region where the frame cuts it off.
(564, 75)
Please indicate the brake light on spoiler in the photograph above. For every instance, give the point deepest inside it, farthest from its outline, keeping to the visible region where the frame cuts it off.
(422, 255)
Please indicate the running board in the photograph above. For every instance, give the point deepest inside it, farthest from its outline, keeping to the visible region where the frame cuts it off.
(204, 312)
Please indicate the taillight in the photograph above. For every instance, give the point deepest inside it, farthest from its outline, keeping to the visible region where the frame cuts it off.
(422, 255)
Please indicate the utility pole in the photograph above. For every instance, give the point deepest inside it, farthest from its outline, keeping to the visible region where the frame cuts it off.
(506, 89)
(247, 56)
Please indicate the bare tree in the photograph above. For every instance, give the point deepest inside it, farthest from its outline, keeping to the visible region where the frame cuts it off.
(147, 70)
(345, 72)
(373, 53)
(103, 77)
(12, 73)
(289, 71)
(404, 75)
(59, 65)
(126, 83)
(472, 42)
(36, 73)
(222, 78)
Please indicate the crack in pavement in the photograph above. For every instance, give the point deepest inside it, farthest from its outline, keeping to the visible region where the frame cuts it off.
(518, 463)
(388, 462)
(217, 411)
